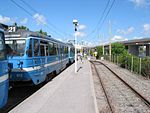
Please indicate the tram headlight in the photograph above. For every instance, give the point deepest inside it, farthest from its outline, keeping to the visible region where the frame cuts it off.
(20, 64)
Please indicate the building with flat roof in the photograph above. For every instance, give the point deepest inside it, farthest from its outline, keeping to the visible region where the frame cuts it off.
(138, 47)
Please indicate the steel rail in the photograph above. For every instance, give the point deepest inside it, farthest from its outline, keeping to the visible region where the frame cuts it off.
(104, 90)
(129, 86)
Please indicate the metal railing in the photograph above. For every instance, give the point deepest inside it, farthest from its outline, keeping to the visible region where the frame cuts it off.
(133, 63)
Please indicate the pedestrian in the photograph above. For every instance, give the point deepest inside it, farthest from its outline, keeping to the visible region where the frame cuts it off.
(81, 57)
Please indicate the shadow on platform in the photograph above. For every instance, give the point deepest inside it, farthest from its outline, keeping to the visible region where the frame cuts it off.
(79, 69)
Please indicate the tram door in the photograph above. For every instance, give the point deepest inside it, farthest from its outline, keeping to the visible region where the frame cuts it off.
(44, 53)
(62, 55)
(36, 52)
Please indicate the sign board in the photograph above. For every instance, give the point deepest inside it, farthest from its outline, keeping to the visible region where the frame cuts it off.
(11, 29)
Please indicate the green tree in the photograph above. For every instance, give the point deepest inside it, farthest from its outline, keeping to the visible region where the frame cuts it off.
(23, 27)
(99, 50)
(118, 48)
(42, 32)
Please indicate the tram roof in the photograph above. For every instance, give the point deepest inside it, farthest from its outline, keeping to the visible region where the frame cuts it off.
(3, 27)
(21, 33)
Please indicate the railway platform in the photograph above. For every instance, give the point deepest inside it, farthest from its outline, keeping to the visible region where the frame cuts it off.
(69, 92)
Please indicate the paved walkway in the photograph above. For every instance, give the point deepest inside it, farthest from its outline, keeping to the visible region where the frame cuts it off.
(67, 93)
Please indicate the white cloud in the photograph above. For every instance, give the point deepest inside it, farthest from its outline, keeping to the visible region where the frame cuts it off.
(118, 38)
(91, 44)
(127, 31)
(80, 34)
(146, 28)
(5, 20)
(24, 21)
(40, 19)
(130, 30)
(140, 3)
(137, 37)
(59, 39)
(82, 27)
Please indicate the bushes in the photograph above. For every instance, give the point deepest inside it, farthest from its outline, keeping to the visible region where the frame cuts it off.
(139, 67)
(146, 67)
(121, 56)
(118, 48)
(99, 50)
(132, 63)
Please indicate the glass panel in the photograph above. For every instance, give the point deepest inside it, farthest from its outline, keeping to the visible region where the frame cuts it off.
(42, 50)
(15, 47)
(1, 42)
(61, 49)
(2, 52)
(55, 49)
(36, 47)
(51, 48)
(1, 45)
(66, 50)
(47, 50)
(29, 51)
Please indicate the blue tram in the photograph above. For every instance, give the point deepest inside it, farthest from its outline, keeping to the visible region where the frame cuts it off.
(32, 56)
(4, 82)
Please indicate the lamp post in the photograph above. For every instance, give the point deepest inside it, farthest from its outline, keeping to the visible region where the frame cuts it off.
(75, 22)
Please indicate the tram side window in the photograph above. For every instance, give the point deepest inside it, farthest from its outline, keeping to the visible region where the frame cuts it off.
(30, 49)
(72, 50)
(62, 50)
(2, 55)
(42, 50)
(47, 54)
(65, 50)
(36, 47)
(55, 49)
(1, 42)
(50, 48)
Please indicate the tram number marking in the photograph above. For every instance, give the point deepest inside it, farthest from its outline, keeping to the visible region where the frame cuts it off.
(12, 29)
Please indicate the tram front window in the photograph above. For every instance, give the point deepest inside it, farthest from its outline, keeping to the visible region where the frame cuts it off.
(15, 47)
(2, 53)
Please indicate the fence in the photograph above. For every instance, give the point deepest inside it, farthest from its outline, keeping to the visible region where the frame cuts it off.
(134, 64)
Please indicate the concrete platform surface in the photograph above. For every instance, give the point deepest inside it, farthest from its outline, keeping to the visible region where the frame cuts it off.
(67, 93)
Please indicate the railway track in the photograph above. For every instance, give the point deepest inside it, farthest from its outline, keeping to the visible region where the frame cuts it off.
(105, 75)
(104, 90)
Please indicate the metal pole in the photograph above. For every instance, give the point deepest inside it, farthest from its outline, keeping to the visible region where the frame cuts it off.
(140, 67)
(117, 60)
(75, 22)
(103, 49)
(132, 64)
(75, 38)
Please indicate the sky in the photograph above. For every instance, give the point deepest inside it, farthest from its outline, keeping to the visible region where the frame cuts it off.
(126, 19)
